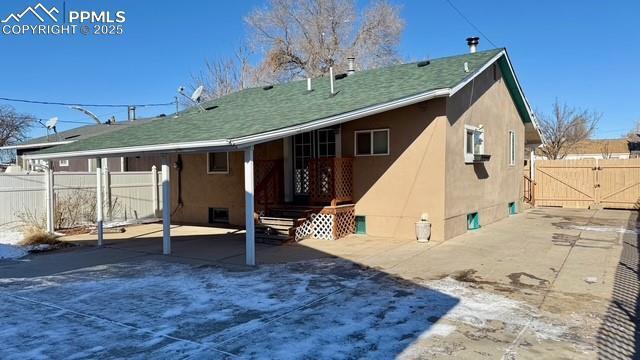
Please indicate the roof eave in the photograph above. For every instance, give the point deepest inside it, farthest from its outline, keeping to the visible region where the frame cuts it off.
(34, 146)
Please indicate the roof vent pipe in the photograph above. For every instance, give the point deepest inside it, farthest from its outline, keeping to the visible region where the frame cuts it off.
(131, 113)
(351, 69)
(473, 43)
(331, 79)
(308, 84)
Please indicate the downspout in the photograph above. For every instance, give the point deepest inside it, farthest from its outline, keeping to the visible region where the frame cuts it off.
(178, 166)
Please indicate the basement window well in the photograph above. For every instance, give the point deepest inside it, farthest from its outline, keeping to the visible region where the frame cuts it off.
(218, 216)
(361, 225)
(473, 221)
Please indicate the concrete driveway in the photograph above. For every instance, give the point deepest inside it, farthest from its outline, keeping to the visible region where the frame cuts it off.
(548, 283)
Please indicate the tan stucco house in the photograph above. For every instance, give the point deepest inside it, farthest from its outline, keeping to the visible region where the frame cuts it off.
(443, 137)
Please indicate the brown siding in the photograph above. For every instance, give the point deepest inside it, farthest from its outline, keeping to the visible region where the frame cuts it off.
(75, 165)
(392, 191)
(488, 187)
(200, 190)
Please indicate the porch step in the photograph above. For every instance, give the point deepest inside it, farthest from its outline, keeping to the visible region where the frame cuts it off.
(277, 221)
(290, 212)
(275, 230)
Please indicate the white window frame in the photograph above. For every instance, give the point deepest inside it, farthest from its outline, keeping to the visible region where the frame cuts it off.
(512, 148)
(63, 163)
(217, 172)
(371, 131)
(469, 158)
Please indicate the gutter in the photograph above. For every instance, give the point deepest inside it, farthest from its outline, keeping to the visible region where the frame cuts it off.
(37, 145)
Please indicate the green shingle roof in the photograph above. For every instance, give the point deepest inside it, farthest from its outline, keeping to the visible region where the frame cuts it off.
(78, 133)
(256, 110)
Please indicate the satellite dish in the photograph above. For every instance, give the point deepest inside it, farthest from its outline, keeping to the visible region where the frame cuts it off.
(87, 112)
(195, 97)
(197, 94)
(51, 123)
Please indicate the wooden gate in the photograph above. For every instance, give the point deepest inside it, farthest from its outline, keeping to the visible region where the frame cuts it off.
(588, 183)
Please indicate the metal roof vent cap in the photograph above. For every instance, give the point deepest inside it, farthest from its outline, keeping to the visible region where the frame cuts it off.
(472, 42)
(351, 69)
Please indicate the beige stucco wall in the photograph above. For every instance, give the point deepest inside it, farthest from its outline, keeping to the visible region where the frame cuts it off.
(200, 190)
(488, 187)
(393, 190)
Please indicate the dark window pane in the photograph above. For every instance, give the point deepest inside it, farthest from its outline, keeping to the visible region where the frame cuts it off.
(363, 143)
(380, 144)
(469, 141)
(218, 162)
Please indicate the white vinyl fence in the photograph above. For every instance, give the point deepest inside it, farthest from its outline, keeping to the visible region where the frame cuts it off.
(127, 195)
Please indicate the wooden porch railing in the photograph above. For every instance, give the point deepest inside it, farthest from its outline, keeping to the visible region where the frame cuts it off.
(529, 190)
(331, 180)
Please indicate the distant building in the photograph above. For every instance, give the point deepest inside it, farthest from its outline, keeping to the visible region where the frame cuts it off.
(601, 149)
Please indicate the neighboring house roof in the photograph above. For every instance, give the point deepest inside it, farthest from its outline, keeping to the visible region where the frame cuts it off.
(597, 146)
(261, 114)
(71, 135)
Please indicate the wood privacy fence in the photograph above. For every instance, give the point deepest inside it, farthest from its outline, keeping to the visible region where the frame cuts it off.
(588, 183)
(127, 195)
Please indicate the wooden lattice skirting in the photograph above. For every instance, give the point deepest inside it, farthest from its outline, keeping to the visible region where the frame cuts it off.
(331, 223)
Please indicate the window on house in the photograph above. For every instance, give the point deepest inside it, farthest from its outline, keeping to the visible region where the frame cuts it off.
(512, 148)
(473, 142)
(63, 163)
(218, 216)
(372, 142)
(326, 143)
(218, 163)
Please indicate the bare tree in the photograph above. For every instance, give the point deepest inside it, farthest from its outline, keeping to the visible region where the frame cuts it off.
(225, 75)
(300, 38)
(13, 125)
(564, 128)
(605, 150)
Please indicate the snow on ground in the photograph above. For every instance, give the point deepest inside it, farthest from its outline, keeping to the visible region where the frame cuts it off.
(10, 237)
(320, 309)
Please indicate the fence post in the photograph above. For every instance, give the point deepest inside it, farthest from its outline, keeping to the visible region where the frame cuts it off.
(107, 188)
(154, 191)
(49, 201)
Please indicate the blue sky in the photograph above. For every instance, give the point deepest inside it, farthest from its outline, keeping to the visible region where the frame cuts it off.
(581, 52)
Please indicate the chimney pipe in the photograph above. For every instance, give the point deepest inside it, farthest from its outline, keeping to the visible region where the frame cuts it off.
(331, 79)
(351, 69)
(473, 44)
(131, 115)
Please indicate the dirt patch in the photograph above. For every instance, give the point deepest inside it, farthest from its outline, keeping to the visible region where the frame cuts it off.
(75, 231)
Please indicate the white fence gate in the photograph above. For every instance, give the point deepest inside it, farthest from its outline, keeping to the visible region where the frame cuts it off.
(127, 195)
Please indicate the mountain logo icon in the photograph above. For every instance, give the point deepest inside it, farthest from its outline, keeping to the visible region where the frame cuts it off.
(35, 11)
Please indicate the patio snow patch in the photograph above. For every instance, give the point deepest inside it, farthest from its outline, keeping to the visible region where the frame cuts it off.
(9, 240)
(323, 309)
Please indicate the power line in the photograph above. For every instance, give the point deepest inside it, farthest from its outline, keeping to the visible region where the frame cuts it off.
(78, 104)
(470, 23)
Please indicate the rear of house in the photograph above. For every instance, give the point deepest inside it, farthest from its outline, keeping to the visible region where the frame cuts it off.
(405, 162)
(444, 137)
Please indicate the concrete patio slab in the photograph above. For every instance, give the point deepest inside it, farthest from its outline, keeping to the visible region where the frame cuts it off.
(539, 261)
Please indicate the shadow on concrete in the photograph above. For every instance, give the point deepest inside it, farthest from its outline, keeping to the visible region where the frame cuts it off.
(324, 307)
(619, 335)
